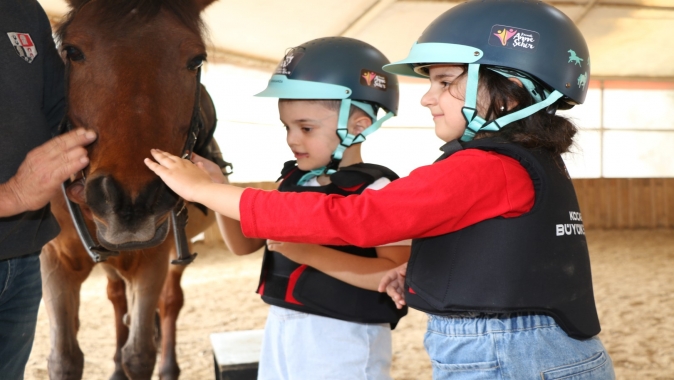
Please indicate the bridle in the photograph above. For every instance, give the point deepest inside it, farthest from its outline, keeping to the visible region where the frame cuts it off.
(178, 216)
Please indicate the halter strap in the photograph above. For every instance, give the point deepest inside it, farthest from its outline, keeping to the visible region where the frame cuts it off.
(196, 123)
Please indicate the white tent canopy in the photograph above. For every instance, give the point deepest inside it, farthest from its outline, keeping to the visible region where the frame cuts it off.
(627, 38)
(623, 133)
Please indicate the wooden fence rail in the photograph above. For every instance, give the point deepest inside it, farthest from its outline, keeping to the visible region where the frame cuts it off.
(626, 202)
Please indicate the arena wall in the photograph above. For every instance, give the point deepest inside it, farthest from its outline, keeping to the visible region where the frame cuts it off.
(626, 203)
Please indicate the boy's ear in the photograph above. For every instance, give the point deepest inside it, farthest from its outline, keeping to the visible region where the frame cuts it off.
(358, 123)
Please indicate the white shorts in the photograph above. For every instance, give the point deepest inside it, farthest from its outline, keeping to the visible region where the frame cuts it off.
(301, 346)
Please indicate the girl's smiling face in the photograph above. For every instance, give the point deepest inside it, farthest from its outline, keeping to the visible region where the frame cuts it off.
(445, 99)
(311, 132)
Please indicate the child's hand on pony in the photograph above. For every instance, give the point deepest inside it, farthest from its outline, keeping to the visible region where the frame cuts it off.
(181, 175)
(210, 167)
(393, 283)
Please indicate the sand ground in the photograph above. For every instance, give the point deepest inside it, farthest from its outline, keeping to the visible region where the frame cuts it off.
(633, 277)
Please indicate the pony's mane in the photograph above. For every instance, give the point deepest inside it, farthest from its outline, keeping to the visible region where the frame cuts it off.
(119, 13)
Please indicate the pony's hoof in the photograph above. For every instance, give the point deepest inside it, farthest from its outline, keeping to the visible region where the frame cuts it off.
(170, 374)
(119, 375)
(139, 365)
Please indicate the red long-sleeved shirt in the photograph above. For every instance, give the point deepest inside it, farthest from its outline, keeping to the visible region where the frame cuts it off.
(468, 187)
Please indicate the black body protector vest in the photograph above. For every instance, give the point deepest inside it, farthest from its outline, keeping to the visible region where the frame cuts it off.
(537, 262)
(299, 287)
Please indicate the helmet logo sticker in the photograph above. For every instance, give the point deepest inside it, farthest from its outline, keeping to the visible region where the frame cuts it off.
(505, 35)
(513, 38)
(574, 58)
(371, 79)
(290, 60)
(582, 80)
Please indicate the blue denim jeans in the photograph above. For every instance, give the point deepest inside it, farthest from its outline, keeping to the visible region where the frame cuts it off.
(20, 293)
(511, 346)
(299, 346)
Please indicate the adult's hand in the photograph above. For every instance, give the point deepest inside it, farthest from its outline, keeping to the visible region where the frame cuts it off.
(43, 171)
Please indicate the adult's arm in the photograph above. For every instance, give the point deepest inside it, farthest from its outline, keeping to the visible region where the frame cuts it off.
(468, 187)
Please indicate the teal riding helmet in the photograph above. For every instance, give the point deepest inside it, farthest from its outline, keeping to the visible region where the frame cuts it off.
(529, 40)
(337, 68)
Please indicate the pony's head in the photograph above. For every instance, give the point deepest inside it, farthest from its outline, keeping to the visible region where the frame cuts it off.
(132, 77)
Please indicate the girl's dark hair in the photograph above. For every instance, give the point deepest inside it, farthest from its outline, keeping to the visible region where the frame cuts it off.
(540, 130)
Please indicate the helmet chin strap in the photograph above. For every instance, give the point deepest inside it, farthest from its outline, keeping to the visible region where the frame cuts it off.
(347, 139)
(475, 123)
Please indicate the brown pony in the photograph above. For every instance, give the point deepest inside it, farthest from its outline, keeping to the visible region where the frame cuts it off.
(132, 77)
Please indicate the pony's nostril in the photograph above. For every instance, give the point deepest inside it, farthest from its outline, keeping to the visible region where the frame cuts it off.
(159, 198)
(106, 196)
(105, 182)
(109, 190)
(103, 194)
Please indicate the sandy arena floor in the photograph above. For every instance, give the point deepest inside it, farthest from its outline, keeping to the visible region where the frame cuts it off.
(632, 270)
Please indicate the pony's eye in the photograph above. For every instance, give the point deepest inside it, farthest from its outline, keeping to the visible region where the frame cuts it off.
(196, 62)
(74, 54)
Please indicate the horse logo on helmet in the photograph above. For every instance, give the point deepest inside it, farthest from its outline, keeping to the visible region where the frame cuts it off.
(574, 58)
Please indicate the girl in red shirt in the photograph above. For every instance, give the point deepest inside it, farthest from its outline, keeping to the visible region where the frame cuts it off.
(499, 261)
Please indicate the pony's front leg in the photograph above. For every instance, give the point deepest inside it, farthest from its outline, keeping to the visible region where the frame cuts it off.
(62, 278)
(117, 296)
(170, 303)
(172, 298)
(144, 285)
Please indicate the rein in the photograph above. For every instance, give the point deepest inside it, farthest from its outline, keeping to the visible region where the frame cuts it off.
(178, 216)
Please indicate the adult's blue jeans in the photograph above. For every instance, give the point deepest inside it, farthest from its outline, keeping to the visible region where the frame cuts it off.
(20, 293)
(515, 346)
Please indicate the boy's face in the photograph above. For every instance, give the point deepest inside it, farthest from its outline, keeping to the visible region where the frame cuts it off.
(311, 132)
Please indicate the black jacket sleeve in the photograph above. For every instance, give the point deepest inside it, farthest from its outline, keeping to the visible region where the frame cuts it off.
(53, 103)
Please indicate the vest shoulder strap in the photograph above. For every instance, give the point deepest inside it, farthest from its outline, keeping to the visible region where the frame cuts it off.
(361, 174)
(288, 168)
(349, 179)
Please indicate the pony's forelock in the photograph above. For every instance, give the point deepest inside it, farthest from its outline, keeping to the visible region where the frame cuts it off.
(116, 12)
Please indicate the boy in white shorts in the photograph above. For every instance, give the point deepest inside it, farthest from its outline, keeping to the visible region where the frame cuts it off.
(327, 320)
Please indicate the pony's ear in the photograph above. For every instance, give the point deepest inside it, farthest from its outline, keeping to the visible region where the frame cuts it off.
(201, 4)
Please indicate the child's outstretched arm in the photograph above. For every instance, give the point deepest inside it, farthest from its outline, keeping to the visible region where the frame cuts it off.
(194, 184)
(230, 229)
(462, 190)
(363, 272)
